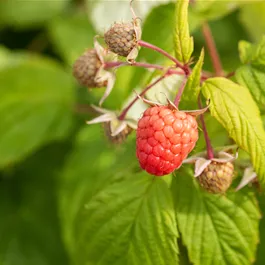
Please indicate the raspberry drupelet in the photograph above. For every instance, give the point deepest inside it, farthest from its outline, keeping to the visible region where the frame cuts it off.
(165, 137)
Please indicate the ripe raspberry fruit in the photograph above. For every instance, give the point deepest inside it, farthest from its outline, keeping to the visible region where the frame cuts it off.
(217, 177)
(165, 137)
(120, 137)
(85, 69)
(121, 38)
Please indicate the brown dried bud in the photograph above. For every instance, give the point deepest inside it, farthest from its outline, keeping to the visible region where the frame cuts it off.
(121, 38)
(217, 177)
(85, 69)
(120, 137)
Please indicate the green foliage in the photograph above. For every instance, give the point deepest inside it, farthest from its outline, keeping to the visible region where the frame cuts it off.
(216, 229)
(253, 78)
(214, 9)
(252, 75)
(163, 32)
(29, 224)
(111, 228)
(233, 106)
(252, 18)
(31, 104)
(29, 14)
(65, 30)
(192, 89)
(183, 41)
(68, 195)
(254, 54)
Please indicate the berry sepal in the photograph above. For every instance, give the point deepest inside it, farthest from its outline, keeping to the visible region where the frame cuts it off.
(114, 124)
(103, 75)
(249, 176)
(201, 162)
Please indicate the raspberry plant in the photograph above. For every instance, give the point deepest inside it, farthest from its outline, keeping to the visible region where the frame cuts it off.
(142, 143)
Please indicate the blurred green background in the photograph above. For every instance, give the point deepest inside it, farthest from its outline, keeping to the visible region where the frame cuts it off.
(50, 161)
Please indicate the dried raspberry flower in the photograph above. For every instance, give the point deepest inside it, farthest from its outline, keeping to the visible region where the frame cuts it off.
(116, 130)
(118, 138)
(214, 175)
(217, 177)
(85, 69)
(122, 39)
(89, 70)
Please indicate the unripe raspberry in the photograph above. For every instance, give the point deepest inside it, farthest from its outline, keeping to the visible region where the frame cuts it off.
(120, 137)
(217, 177)
(121, 38)
(165, 137)
(85, 69)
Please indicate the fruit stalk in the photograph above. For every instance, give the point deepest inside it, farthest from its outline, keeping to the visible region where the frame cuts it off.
(210, 153)
(180, 92)
(108, 65)
(155, 48)
(124, 112)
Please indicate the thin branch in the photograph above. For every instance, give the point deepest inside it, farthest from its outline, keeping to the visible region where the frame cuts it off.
(155, 48)
(212, 49)
(124, 112)
(180, 92)
(83, 109)
(210, 153)
(230, 74)
(144, 65)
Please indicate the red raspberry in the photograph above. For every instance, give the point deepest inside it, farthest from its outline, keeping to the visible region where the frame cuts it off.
(165, 137)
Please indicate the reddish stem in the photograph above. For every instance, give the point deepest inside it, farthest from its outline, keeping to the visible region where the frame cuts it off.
(108, 65)
(180, 92)
(155, 48)
(144, 65)
(124, 112)
(210, 153)
(230, 74)
(212, 49)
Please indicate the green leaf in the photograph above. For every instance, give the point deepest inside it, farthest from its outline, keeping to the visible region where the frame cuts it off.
(97, 10)
(254, 54)
(244, 49)
(183, 41)
(252, 17)
(216, 229)
(65, 29)
(29, 224)
(165, 89)
(189, 98)
(253, 77)
(110, 214)
(136, 226)
(29, 14)
(214, 9)
(260, 252)
(35, 107)
(163, 31)
(216, 132)
(10, 59)
(233, 106)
